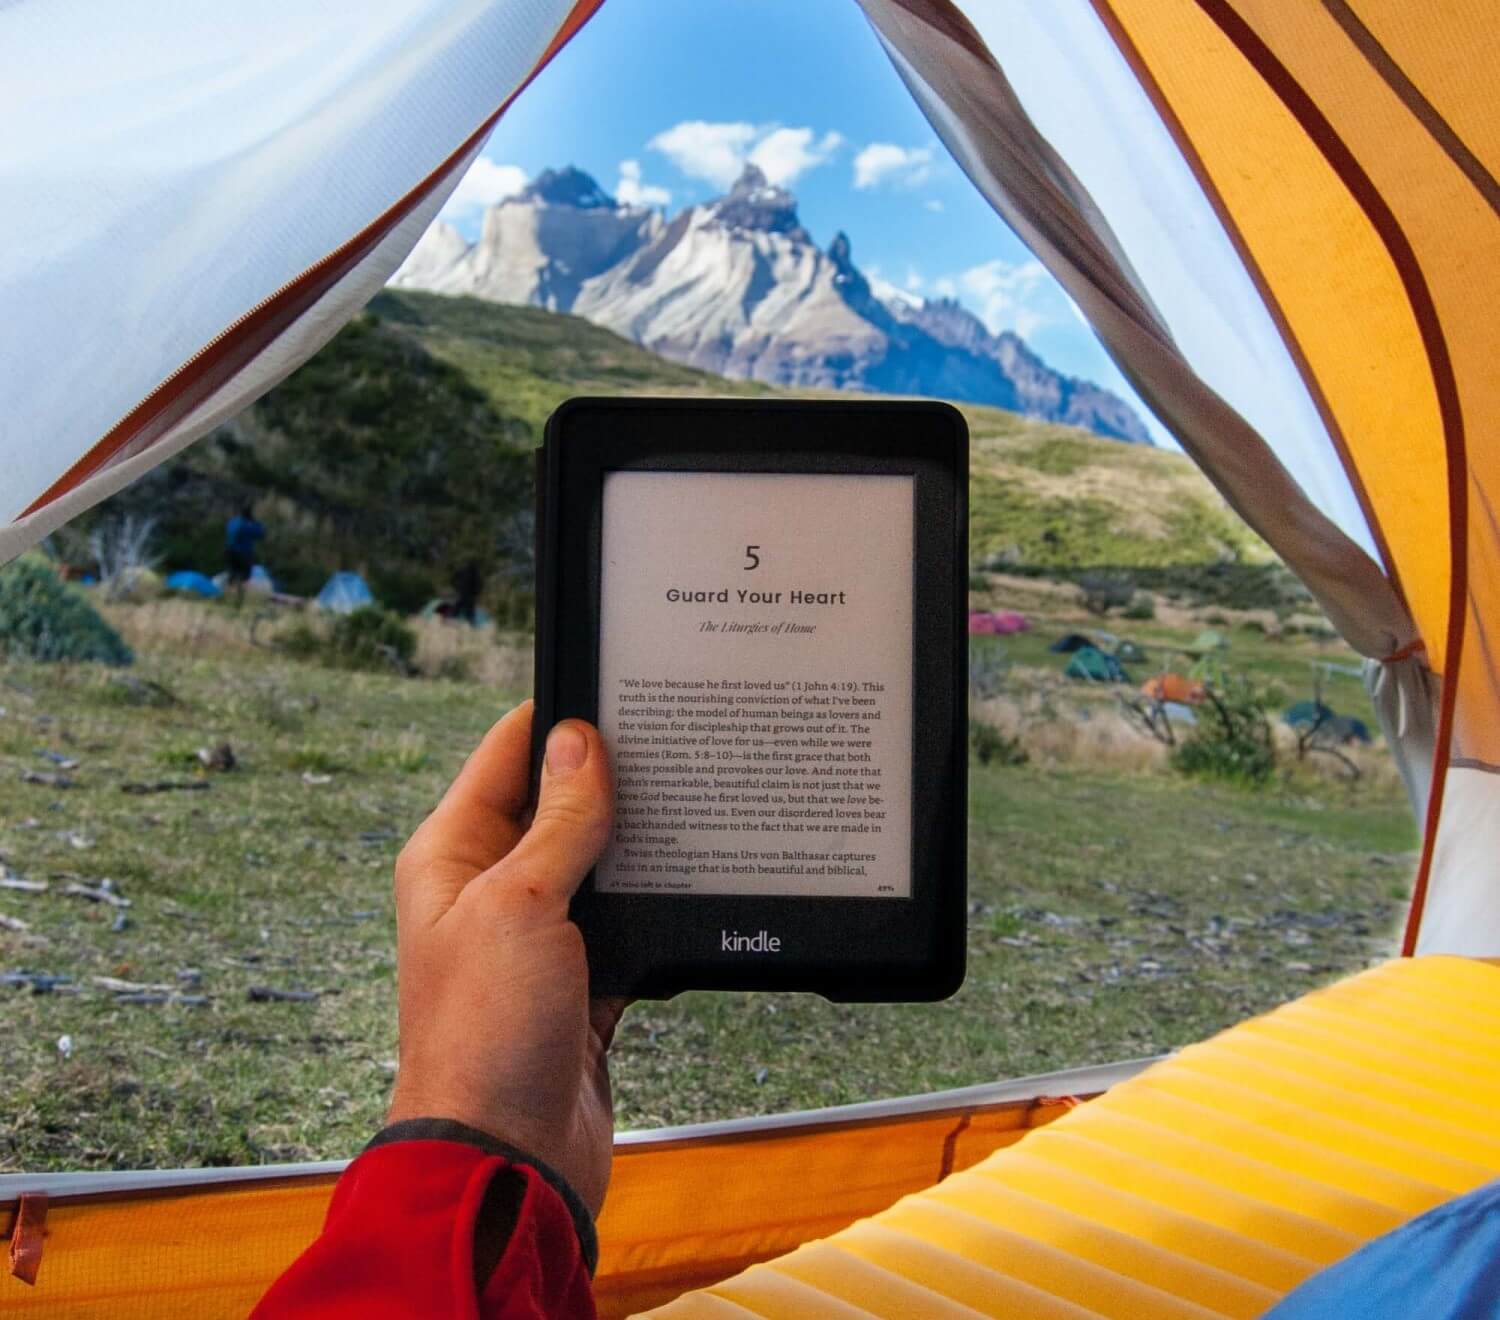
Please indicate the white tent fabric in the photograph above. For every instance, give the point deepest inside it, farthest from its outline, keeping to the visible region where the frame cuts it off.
(1120, 152)
(1097, 187)
(1171, 240)
(197, 197)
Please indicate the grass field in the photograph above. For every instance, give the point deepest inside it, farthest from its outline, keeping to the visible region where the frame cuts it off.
(1115, 910)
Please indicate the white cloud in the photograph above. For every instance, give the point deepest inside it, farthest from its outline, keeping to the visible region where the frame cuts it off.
(1022, 297)
(914, 279)
(718, 152)
(945, 287)
(634, 191)
(784, 154)
(485, 184)
(933, 204)
(714, 152)
(885, 162)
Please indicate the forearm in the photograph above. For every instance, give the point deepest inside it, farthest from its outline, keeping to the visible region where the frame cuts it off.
(438, 1219)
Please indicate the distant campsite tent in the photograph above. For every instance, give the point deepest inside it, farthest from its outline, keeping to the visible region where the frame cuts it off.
(1095, 666)
(344, 593)
(1331, 727)
(1174, 687)
(196, 584)
(1304, 713)
(1072, 642)
(1261, 207)
(1001, 623)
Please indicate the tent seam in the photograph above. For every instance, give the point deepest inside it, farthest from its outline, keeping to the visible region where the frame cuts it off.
(1195, 162)
(268, 318)
(1344, 162)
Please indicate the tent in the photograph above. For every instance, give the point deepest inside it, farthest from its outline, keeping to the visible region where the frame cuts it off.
(259, 582)
(1307, 712)
(1095, 666)
(1072, 642)
(196, 584)
(344, 593)
(1175, 688)
(1002, 623)
(1328, 170)
(1331, 726)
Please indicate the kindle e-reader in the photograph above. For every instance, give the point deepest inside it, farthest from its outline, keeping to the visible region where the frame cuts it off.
(761, 606)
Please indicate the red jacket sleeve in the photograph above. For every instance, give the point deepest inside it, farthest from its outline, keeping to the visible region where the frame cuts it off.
(441, 1228)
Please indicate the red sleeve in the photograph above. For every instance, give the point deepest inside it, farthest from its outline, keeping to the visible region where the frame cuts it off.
(399, 1241)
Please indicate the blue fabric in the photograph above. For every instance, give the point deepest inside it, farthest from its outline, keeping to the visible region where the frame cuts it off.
(242, 534)
(344, 593)
(198, 583)
(1444, 1265)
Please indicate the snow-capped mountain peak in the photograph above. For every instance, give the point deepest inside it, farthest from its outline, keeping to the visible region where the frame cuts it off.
(737, 286)
(753, 203)
(568, 186)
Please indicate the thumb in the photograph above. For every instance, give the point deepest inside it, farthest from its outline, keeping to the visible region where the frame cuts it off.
(574, 813)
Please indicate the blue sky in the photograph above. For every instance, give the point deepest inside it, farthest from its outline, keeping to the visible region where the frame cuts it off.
(662, 101)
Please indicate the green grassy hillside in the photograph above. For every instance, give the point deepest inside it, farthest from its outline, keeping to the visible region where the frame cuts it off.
(401, 450)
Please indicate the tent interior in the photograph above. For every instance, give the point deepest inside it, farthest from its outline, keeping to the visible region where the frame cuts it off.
(1332, 164)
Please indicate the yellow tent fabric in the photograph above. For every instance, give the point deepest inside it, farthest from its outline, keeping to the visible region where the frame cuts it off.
(685, 1207)
(1211, 1184)
(1366, 198)
(1346, 152)
(1208, 1184)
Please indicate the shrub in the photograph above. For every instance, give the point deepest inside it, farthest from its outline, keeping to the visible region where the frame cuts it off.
(456, 668)
(368, 638)
(1232, 739)
(1102, 592)
(513, 607)
(993, 747)
(978, 582)
(41, 618)
(1142, 607)
(988, 667)
(372, 639)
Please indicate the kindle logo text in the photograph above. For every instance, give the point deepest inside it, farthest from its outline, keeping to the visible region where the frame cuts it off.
(731, 941)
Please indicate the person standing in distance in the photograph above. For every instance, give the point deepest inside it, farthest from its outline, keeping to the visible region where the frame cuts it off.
(241, 535)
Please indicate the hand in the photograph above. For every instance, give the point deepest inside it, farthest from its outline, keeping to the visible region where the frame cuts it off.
(497, 1029)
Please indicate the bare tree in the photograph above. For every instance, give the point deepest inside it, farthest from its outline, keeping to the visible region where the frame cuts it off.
(122, 546)
(1149, 715)
(1322, 734)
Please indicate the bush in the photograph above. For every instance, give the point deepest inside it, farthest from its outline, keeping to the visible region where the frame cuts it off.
(1232, 739)
(41, 618)
(1102, 592)
(369, 638)
(1142, 607)
(513, 608)
(988, 667)
(372, 639)
(992, 747)
(456, 668)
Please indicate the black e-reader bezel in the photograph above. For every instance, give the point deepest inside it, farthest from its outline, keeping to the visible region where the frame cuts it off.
(864, 949)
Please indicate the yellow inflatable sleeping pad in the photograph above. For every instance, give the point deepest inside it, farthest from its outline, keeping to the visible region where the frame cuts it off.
(1211, 1184)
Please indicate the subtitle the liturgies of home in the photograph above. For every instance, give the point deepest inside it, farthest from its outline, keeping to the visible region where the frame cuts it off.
(755, 682)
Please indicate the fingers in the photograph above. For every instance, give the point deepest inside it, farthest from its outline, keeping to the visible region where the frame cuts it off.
(478, 820)
(574, 812)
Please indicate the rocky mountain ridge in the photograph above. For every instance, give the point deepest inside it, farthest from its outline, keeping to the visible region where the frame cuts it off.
(737, 286)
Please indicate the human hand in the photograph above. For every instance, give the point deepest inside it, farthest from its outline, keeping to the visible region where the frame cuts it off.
(497, 1028)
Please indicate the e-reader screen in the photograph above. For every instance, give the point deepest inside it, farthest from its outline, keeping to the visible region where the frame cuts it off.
(755, 683)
